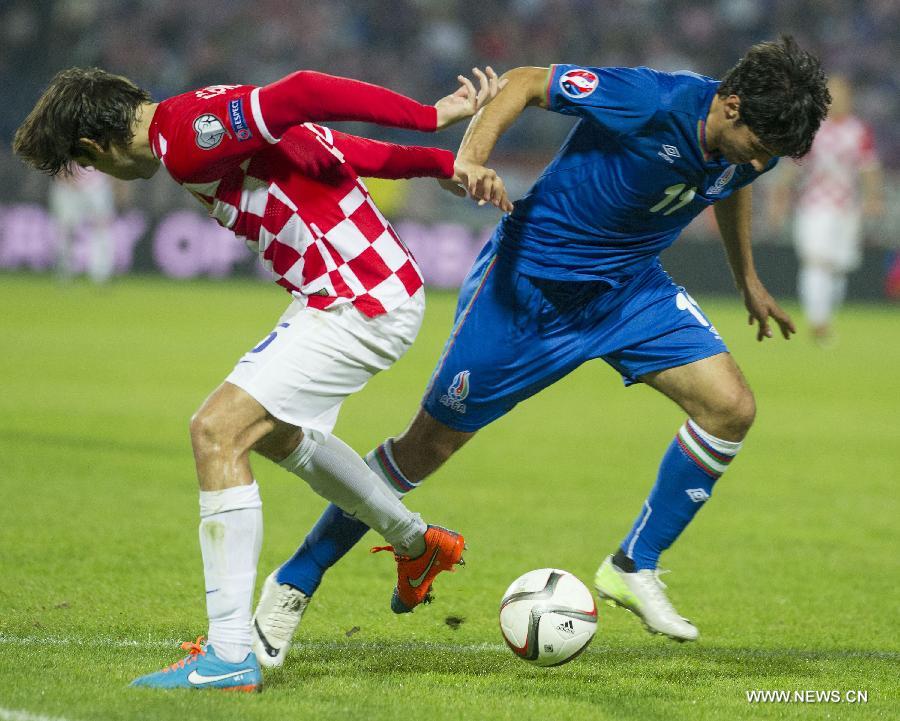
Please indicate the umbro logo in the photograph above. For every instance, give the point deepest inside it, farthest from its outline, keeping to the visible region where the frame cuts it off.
(697, 495)
(669, 153)
(567, 627)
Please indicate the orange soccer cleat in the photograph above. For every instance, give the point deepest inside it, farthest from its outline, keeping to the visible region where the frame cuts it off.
(443, 551)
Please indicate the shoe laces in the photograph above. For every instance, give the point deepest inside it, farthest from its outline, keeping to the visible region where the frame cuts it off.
(654, 584)
(284, 615)
(378, 549)
(194, 647)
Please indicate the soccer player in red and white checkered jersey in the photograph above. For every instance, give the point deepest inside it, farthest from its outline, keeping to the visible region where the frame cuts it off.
(840, 184)
(259, 163)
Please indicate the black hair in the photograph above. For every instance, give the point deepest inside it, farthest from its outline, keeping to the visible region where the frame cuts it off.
(783, 95)
(78, 103)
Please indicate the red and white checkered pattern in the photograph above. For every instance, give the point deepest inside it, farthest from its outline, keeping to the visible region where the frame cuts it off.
(842, 149)
(330, 245)
(299, 205)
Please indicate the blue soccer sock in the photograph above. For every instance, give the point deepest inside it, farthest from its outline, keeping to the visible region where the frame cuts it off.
(329, 540)
(336, 533)
(689, 469)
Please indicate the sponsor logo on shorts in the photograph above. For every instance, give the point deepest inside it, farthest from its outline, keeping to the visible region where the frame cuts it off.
(578, 83)
(210, 131)
(457, 392)
(721, 181)
(238, 121)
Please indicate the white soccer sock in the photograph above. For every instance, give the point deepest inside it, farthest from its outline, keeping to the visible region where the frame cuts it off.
(816, 294)
(838, 290)
(231, 529)
(336, 472)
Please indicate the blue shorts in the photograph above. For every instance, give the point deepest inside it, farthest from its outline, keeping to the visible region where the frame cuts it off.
(514, 335)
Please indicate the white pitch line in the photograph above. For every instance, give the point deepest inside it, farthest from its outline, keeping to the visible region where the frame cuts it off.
(11, 714)
(107, 642)
(358, 644)
(348, 645)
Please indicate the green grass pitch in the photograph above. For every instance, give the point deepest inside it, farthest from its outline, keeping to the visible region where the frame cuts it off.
(791, 573)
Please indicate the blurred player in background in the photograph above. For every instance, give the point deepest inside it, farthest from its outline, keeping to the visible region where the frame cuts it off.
(291, 189)
(573, 274)
(837, 186)
(83, 201)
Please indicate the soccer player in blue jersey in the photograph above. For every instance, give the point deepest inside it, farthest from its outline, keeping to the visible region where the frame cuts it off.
(572, 273)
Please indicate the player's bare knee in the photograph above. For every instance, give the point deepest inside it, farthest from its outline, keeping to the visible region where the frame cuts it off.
(208, 431)
(737, 414)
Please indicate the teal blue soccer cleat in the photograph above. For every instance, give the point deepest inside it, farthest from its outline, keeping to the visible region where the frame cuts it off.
(203, 669)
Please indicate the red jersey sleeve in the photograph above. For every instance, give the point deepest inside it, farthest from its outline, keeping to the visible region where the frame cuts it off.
(377, 159)
(203, 134)
(308, 96)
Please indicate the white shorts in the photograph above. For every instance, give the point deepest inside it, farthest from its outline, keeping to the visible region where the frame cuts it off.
(72, 205)
(828, 237)
(313, 359)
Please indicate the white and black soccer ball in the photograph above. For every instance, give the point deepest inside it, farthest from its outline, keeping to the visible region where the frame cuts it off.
(548, 617)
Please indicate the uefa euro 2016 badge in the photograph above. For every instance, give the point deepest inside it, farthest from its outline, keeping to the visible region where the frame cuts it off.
(578, 83)
(457, 392)
(210, 131)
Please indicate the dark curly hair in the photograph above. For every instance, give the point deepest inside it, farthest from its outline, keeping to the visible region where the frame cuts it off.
(78, 103)
(783, 95)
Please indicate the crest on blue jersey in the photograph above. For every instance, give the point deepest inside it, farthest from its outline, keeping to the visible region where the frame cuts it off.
(459, 387)
(721, 181)
(578, 83)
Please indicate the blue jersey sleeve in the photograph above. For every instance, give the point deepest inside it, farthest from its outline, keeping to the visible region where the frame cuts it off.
(620, 100)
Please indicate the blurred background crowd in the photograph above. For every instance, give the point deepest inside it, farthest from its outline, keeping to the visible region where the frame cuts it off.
(418, 47)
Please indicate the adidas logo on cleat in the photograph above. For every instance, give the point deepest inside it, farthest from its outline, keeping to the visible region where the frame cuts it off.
(566, 627)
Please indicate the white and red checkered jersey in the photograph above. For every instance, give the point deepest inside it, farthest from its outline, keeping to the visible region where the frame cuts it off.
(292, 190)
(843, 148)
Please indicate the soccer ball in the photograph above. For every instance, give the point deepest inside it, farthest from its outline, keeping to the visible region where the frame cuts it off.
(547, 617)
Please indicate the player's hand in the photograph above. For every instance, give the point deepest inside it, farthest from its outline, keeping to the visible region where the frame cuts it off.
(453, 186)
(762, 307)
(483, 184)
(467, 101)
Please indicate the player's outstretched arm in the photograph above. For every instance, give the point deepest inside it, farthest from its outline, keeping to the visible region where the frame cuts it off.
(309, 96)
(521, 87)
(733, 216)
(377, 159)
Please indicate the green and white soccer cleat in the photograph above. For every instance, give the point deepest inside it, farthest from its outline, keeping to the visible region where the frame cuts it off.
(644, 595)
(277, 616)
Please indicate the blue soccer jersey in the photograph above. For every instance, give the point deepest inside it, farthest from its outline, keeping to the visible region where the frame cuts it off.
(631, 175)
